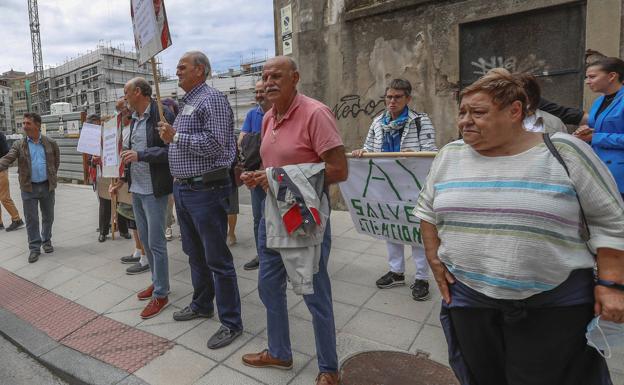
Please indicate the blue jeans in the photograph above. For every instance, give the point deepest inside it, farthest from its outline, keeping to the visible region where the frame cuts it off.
(40, 197)
(257, 197)
(150, 214)
(203, 224)
(272, 288)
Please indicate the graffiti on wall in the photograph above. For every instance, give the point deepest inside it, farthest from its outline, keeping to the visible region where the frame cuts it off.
(352, 106)
(529, 64)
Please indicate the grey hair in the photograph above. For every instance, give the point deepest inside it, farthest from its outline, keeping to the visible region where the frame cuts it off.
(401, 85)
(199, 58)
(141, 84)
(291, 62)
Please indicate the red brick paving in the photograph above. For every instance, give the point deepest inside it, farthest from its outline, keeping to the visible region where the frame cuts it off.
(79, 328)
(132, 349)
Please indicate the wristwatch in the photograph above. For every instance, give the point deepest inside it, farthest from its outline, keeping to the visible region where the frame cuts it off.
(610, 284)
(176, 137)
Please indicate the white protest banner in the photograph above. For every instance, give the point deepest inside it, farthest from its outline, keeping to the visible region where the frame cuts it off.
(110, 154)
(90, 141)
(151, 29)
(381, 194)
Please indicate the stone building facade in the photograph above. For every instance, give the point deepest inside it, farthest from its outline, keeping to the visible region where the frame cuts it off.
(348, 50)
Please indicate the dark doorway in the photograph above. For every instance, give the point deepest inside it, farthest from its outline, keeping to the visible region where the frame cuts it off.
(549, 43)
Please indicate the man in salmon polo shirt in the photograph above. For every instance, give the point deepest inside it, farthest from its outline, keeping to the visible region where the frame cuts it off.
(296, 130)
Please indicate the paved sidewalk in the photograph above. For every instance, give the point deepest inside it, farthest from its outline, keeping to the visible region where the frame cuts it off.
(83, 272)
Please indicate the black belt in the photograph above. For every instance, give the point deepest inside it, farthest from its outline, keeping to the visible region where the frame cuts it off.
(199, 179)
(44, 182)
(190, 180)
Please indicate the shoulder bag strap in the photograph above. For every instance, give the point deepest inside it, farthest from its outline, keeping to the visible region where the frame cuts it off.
(585, 234)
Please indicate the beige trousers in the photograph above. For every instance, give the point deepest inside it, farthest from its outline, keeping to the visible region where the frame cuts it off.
(5, 197)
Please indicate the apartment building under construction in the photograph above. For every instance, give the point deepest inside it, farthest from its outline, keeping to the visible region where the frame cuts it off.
(91, 82)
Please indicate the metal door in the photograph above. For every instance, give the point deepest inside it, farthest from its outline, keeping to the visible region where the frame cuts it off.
(550, 43)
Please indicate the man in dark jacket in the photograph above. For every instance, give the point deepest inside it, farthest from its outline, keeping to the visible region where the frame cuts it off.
(38, 159)
(150, 183)
(5, 192)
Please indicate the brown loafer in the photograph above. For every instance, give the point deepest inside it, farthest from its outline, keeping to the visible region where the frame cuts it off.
(328, 379)
(264, 360)
(146, 294)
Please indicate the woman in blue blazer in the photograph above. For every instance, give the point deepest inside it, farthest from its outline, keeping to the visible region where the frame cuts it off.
(605, 130)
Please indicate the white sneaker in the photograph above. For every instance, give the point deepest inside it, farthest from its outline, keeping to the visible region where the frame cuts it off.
(169, 233)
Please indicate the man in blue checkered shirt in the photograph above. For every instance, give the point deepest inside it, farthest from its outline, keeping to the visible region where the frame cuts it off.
(201, 151)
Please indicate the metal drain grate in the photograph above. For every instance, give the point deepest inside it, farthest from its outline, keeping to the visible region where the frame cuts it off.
(394, 368)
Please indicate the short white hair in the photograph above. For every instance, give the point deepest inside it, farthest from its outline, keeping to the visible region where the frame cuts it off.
(199, 58)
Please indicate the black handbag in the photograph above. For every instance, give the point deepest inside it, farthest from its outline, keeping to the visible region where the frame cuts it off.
(250, 152)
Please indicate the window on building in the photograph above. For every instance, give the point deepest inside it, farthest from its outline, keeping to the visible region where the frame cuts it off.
(119, 61)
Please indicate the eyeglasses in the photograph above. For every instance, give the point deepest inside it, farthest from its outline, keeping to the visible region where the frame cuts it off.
(394, 97)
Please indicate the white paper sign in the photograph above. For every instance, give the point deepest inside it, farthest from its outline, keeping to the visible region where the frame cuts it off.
(110, 155)
(144, 21)
(90, 141)
(151, 29)
(381, 194)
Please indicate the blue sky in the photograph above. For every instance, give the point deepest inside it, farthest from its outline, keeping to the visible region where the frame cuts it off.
(223, 29)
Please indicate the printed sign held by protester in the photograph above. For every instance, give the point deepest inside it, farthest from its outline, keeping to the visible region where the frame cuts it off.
(151, 29)
(381, 193)
(90, 141)
(110, 150)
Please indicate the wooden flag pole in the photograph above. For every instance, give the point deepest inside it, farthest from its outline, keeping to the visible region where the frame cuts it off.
(157, 86)
(113, 210)
(406, 154)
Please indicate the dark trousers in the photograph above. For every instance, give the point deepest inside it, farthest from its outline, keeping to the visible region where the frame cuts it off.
(105, 218)
(39, 198)
(545, 346)
(203, 224)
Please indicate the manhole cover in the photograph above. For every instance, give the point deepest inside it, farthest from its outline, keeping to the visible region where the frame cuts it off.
(394, 368)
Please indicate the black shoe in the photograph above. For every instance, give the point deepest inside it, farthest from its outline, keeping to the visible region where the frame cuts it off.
(47, 247)
(1, 226)
(125, 235)
(101, 238)
(223, 337)
(420, 290)
(188, 314)
(252, 265)
(137, 268)
(15, 225)
(390, 280)
(130, 259)
(33, 257)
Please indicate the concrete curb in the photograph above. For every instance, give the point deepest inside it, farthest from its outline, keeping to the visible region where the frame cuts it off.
(70, 365)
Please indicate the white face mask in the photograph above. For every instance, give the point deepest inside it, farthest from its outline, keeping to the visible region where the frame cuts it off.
(604, 335)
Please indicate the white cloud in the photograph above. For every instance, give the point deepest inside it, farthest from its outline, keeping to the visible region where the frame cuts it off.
(225, 30)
